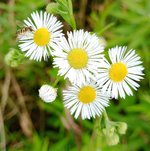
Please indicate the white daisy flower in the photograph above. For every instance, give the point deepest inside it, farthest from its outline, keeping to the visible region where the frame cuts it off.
(78, 57)
(40, 33)
(87, 100)
(123, 73)
(47, 93)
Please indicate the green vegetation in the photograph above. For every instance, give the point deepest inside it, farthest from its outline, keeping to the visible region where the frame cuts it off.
(32, 125)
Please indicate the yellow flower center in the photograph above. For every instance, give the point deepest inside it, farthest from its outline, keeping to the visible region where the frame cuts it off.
(118, 72)
(87, 94)
(78, 58)
(41, 37)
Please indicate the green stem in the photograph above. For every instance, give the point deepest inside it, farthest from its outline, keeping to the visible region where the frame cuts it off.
(56, 82)
(105, 115)
(106, 119)
(106, 28)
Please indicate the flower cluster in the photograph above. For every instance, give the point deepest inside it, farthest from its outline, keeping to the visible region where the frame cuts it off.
(79, 58)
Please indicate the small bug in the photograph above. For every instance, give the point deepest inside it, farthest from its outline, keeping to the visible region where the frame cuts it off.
(24, 31)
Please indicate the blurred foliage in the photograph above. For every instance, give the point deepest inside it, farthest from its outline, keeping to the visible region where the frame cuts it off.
(120, 22)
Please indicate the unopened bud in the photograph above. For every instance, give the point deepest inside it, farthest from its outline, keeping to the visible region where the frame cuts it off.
(109, 131)
(111, 136)
(112, 139)
(13, 58)
(47, 93)
(122, 128)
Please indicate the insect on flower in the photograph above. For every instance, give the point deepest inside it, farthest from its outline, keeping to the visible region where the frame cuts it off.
(24, 31)
(40, 43)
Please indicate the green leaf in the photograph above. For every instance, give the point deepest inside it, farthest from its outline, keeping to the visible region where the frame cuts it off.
(64, 9)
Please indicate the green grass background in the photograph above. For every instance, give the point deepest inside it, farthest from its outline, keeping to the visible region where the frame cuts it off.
(120, 22)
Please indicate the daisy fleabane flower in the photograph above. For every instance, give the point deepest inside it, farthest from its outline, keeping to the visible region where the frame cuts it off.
(44, 33)
(87, 100)
(78, 57)
(47, 93)
(124, 71)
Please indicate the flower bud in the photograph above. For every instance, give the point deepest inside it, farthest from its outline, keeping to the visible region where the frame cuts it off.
(109, 131)
(111, 136)
(13, 58)
(47, 93)
(112, 139)
(122, 128)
